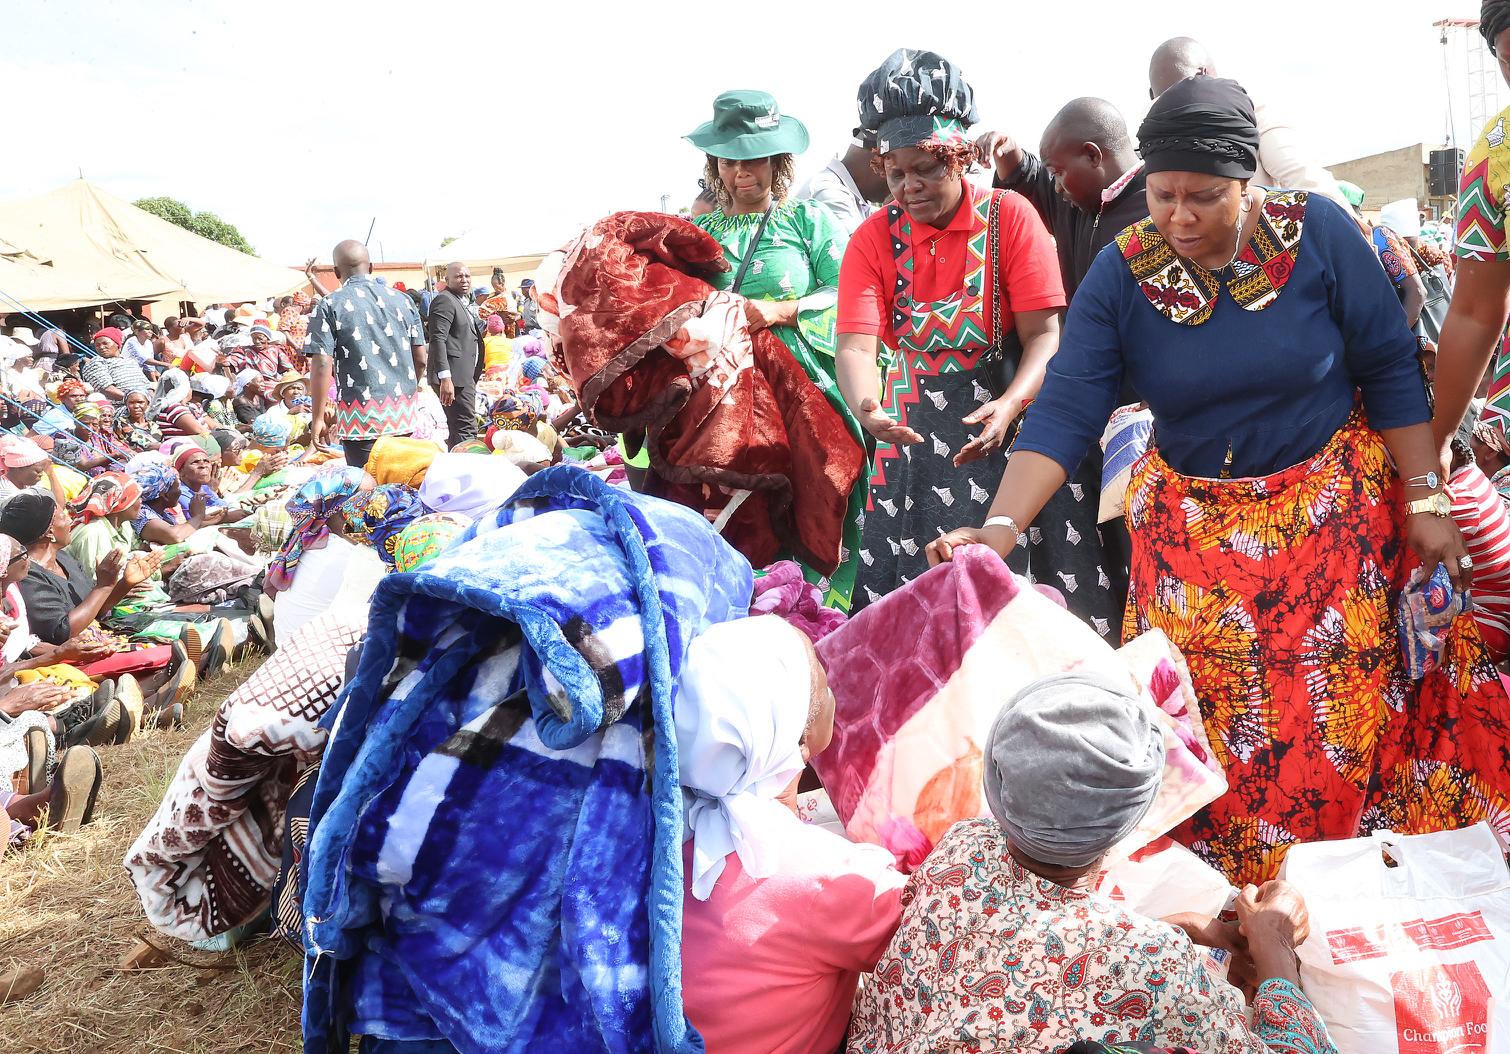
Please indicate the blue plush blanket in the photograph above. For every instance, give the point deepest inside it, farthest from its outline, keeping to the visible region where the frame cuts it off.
(492, 862)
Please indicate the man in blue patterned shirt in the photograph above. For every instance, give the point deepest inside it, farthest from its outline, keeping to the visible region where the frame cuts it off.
(372, 338)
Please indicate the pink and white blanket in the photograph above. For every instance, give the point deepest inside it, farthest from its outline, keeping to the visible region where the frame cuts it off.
(918, 678)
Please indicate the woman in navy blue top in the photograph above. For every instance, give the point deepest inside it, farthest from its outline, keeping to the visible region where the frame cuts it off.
(1268, 537)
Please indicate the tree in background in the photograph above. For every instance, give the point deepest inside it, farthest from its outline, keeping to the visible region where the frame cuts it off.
(205, 224)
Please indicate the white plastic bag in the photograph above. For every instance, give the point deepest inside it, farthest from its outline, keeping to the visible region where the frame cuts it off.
(1163, 879)
(1412, 958)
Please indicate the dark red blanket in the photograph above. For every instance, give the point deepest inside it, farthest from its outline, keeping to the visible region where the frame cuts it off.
(653, 348)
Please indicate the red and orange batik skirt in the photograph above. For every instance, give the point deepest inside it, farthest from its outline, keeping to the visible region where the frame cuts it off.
(1280, 593)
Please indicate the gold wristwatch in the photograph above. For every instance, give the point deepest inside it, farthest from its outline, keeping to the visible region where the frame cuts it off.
(1438, 504)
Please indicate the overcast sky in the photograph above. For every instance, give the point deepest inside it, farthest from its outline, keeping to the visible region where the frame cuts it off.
(301, 121)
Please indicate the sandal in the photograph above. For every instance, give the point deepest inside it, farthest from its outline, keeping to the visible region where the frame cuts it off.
(185, 677)
(75, 789)
(127, 707)
(36, 760)
(220, 641)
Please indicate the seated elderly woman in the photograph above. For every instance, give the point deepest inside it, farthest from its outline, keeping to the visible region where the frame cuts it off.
(781, 917)
(248, 401)
(199, 492)
(134, 427)
(83, 447)
(26, 467)
(1003, 945)
(162, 520)
(272, 441)
(63, 604)
(62, 600)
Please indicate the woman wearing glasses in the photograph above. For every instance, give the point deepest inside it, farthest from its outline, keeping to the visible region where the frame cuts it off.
(962, 287)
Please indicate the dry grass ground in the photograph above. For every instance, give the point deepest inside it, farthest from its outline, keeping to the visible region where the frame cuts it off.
(67, 906)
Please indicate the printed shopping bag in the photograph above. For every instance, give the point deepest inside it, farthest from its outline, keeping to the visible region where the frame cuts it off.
(1409, 949)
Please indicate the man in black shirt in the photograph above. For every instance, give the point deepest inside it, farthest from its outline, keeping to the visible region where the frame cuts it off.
(1087, 183)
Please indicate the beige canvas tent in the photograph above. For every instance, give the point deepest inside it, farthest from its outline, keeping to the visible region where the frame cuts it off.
(79, 245)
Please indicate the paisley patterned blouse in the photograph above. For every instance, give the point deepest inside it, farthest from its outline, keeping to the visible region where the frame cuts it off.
(990, 957)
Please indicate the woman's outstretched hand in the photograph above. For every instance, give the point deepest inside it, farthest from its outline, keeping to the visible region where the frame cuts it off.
(879, 424)
(996, 418)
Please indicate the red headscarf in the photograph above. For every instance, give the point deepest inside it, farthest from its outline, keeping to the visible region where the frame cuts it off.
(107, 494)
(110, 332)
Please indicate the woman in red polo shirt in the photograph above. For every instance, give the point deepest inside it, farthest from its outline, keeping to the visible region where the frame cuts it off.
(918, 279)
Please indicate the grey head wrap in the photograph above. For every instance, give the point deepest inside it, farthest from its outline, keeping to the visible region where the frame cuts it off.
(1072, 764)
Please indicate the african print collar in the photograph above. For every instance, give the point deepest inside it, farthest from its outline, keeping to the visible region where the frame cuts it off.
(1185, 292)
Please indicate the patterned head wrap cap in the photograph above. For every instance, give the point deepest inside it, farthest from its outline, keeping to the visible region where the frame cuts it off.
(274, 432)
(381, 514)
(516, 412)
(916, 97)
(331, 491)
(426, 538)
(155, 476)
(106, 495)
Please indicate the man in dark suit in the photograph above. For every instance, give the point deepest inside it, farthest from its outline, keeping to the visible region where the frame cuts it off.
(454, 332)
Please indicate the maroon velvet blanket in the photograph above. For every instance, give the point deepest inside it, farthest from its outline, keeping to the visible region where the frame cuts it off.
(653, 348)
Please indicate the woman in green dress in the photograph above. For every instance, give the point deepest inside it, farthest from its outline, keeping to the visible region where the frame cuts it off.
(784, 256)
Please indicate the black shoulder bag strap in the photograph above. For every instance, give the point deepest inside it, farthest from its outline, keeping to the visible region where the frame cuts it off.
(1000, 362)
(744, 265)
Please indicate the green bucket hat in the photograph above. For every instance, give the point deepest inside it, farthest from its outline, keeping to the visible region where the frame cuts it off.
(747, 125)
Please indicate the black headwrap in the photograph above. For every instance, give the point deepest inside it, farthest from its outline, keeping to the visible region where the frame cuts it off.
(1203, 124)
(1494, 19)
(26, 516)
(916, 97)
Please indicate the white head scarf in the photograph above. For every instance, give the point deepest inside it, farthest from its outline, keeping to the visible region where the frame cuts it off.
(740, 714)
(1403, 217)
(245, 377)
(172, 389)
(469, 484)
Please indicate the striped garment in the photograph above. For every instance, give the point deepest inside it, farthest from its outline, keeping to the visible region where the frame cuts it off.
(1481, 515)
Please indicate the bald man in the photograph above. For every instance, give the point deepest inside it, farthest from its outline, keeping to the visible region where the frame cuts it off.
(455, 333)
(1283, 162)
(1086, 181)
(371, 339)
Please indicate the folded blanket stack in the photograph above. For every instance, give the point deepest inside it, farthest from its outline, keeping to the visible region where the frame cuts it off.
(733, 425)
(495, 847)
(208, 858)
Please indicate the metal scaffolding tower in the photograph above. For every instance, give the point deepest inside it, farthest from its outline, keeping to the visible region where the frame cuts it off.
(1482, 86)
